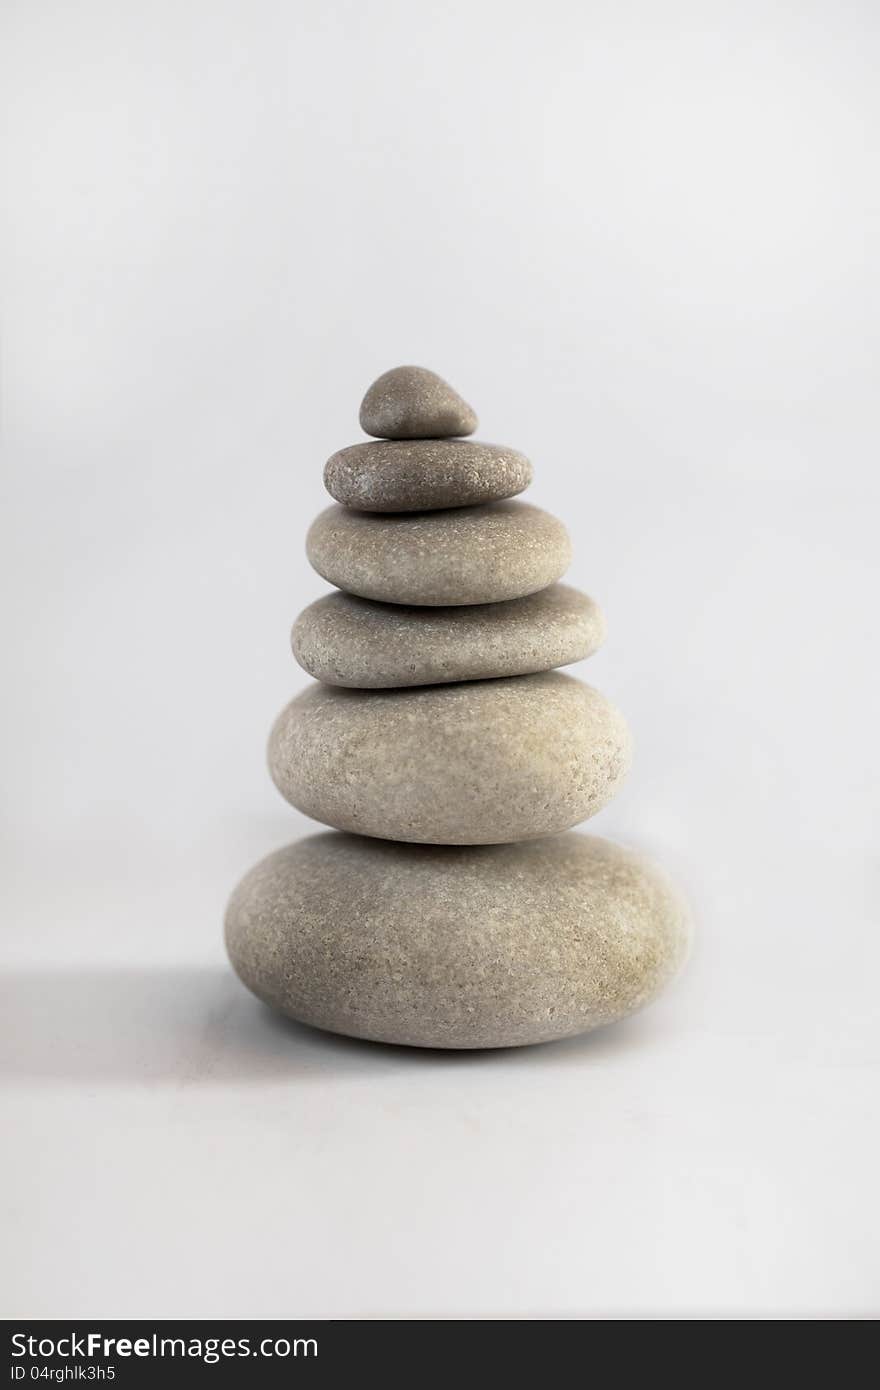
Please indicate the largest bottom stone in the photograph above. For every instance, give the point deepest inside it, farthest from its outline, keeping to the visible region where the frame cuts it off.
(455, 946)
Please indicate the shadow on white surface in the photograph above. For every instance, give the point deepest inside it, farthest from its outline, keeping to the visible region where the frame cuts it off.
(192, 1025)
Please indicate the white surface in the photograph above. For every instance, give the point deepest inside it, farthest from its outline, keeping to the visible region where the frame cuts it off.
(641, 239)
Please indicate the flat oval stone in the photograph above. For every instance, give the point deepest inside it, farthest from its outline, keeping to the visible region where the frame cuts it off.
(414, 403)
(442, 946)
(356, 642)
(414, 475)
(476, 763)
(466, 555)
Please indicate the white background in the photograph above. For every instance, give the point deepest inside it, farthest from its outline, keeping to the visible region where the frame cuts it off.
(642, 239)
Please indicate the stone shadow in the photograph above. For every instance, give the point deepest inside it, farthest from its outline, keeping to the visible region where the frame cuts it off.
(193, 1025)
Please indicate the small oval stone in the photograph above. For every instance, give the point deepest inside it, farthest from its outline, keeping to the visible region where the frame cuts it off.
(414, 403)
(476, 763)
(466, 555)
(356, 642)
(441, 946)
(414, 475)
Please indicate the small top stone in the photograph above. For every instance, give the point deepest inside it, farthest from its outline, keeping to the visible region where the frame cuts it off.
(413, 403)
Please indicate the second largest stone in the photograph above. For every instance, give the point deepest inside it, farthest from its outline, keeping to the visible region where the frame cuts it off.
(482, 762)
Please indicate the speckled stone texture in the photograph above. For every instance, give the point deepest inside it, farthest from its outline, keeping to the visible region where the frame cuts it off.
(461, 912)
(414, 403)
(355, 642)
(467, 555)
(412, 475)
(492, 946)
(477, 763)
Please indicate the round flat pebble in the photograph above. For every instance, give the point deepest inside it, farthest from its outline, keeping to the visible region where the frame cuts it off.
(488, 946)
(414, 403)
(356, 642)
(474, 763)
(466, 555)
(424, 474)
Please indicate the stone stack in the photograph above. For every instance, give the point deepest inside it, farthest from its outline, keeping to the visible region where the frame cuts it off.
(455, 911)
